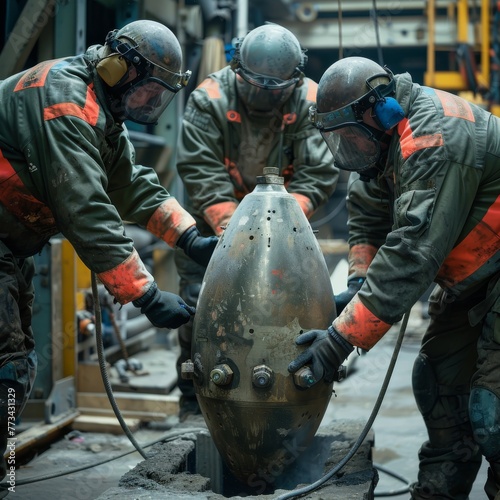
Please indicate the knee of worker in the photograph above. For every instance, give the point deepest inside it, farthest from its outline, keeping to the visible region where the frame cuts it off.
(444, 409)
(484, 411)
(17, 377)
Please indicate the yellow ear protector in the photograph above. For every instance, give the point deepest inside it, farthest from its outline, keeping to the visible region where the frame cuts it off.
(112, 69)
(115, 66)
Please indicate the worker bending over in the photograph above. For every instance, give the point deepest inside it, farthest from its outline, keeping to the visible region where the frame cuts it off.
(67, 166)
(424, 206)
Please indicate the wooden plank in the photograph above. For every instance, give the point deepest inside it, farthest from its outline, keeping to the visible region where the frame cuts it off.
(143, 416)
(42, 433)
(90, 423)
(129, 401)
(24, 35)
(89, 378)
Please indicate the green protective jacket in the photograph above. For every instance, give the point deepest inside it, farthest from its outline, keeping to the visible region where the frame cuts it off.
(67, 167)
(222, 150)
(433, 216)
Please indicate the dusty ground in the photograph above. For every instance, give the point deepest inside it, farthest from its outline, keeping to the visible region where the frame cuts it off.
(398, 430)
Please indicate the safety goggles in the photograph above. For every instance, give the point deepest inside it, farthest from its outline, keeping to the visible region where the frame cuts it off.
(173, 81)
(266, 82)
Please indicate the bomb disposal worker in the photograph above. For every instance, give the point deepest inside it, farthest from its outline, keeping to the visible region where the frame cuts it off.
(67, 165)
(424, 206)
(250, 115)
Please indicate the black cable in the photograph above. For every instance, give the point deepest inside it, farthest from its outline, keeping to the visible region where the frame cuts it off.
(169, 436)
(391, 473)
(104, 371)
(311, 487)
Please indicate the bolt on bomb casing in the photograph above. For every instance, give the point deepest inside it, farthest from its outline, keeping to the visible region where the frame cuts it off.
(266, 283)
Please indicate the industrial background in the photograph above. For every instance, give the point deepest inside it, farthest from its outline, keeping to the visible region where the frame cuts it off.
(452, 45)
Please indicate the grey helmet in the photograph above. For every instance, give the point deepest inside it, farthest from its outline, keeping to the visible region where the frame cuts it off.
(348, 89)
(142, 70)
(269, 61)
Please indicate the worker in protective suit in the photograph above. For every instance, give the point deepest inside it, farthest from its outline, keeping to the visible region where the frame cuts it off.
(67, 166)
(249, 115)
(424, 201)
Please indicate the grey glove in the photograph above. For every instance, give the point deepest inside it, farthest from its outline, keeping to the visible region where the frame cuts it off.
(197, 247)
(164, 309)
(343, 298)
(326, 353)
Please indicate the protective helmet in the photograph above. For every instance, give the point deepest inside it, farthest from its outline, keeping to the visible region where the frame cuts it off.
(269, 61)
(347, 89)
(142, 70)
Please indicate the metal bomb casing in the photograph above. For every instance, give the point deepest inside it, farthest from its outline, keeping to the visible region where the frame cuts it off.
(266, 283)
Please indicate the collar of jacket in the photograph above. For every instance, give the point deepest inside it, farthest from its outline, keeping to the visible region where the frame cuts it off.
(404, 86)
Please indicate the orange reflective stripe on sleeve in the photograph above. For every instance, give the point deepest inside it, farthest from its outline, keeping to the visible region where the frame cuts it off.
(218, 215)
(89, 112)
(211, 88)
(169, 222)
(360, 257)
(127, 281)
(482, 243)
(305, 204)
(410, 144)
(360, 326)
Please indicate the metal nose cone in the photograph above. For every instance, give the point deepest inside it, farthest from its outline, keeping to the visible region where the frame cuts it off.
(266, 283)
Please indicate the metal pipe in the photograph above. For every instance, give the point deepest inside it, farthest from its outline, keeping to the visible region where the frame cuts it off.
(242, 18)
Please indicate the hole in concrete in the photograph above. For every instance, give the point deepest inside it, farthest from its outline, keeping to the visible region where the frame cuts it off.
(305, 468)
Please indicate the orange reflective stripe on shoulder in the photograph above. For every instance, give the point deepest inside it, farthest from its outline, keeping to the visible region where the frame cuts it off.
(169, 221)
(410, 144)
(305, 204)
(89, 112)
(218, 215)
(312, 90)
(360, 257)
(455, 106)
(36, 76)
(211, 88)
(480, 245)
(360, 326)
(127, 281)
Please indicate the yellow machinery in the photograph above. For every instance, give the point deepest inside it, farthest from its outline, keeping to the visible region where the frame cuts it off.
(473, 78)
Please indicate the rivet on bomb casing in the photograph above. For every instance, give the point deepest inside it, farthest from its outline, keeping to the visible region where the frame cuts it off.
(304, 377)
(221, 375)
(262, 376)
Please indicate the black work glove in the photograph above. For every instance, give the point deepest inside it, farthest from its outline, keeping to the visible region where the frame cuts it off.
(326, 353)
(164, 309)
(343, 298)
(197, 247)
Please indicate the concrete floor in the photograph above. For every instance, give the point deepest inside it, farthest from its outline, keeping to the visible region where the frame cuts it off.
(398, 430)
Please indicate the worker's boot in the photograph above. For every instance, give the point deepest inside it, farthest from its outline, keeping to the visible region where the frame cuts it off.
(445, 474)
